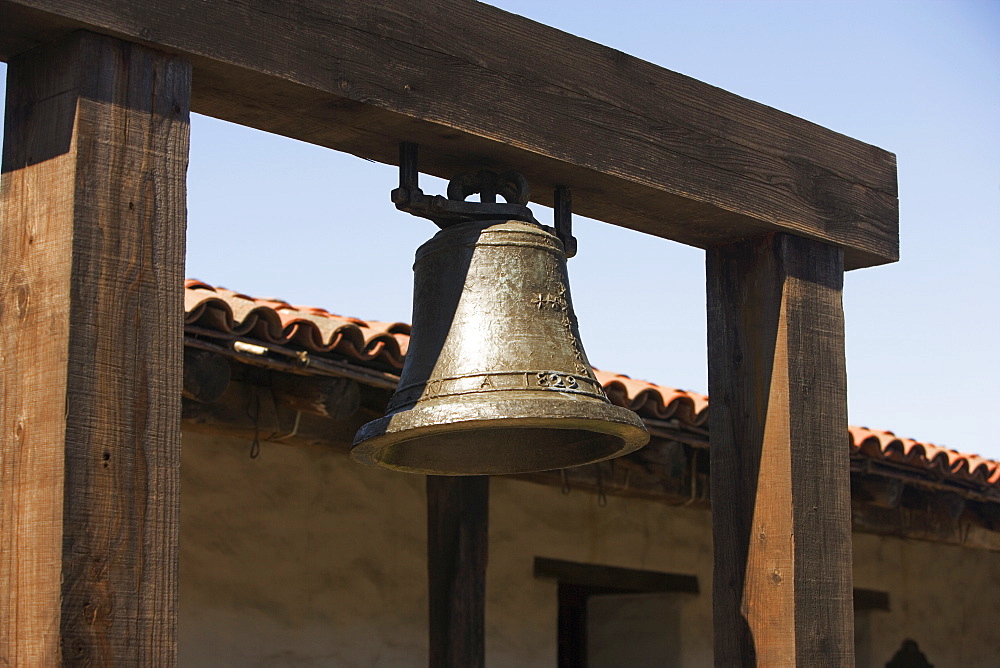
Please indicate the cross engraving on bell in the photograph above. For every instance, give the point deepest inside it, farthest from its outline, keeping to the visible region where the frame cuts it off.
(555, 302)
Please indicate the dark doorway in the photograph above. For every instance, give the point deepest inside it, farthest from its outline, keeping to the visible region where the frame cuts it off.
(617, 616)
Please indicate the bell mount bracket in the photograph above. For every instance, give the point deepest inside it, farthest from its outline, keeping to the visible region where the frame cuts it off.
(453, 209)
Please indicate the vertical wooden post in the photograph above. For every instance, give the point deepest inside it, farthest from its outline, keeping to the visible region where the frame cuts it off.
(780, 477)
(91, 311)
(457, 531)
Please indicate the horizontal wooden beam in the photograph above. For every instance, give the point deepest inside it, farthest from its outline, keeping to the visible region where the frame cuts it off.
(614, 578)
(641, 146)
(265, 414)
(928, 523)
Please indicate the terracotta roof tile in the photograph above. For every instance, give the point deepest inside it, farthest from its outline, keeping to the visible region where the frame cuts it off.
(231, 314)
(947, 463)
(654, 401)
(219, 312)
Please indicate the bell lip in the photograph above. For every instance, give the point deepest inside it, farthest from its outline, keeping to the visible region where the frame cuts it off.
(375, 439)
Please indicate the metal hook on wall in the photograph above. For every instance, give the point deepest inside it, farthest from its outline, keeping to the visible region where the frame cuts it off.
(255, 416)
(602, 498)
(295, 430)
(693, 479)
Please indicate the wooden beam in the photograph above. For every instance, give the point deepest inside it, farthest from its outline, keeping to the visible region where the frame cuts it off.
(614, 578)
(91, 287)
(929, 523)
(457, 532)
(663, 471)
(641, 146)
(780, 472)
(247, 411)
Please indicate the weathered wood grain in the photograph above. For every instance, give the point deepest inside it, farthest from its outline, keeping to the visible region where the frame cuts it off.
(457, 534)
(641, 146)
(91, 311)
(780, 471)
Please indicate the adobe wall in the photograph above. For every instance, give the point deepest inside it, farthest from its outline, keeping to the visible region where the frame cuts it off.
(302, 557)
(297, 558)
(945, 597)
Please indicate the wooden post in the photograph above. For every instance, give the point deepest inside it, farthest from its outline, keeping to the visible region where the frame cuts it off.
(780, 472)
(91, 314)
(457, 529)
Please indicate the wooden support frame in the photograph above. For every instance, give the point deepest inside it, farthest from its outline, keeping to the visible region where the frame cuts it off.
(457, 540)
(640, 146)
(613, 578)
(91, 288)
(781, 499)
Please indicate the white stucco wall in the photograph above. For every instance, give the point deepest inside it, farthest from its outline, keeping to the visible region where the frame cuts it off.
(528, 520)
(945, 597)
(304, 558)
(298, 558)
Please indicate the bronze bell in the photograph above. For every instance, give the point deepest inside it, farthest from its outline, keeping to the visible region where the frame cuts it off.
(495, 379)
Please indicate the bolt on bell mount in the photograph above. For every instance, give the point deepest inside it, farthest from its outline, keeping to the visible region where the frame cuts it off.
(495, 379)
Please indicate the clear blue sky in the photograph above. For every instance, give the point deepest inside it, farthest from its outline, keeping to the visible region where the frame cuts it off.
(274, 217)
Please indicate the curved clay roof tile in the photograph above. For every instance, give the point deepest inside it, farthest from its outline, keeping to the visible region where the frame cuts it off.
(317, 330)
